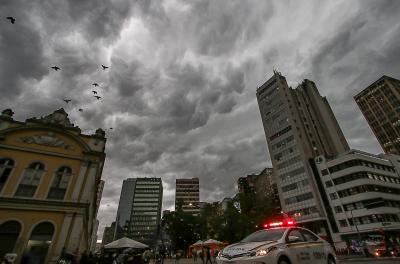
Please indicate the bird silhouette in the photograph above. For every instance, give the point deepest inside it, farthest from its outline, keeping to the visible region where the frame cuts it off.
(97, 97)
(55, 68)
(95, 84)
(67, 100)
(104, 67)
(111, 128)
(94, 92)
(12, 20)
(80, 109)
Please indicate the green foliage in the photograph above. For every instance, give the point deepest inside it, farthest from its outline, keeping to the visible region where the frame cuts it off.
(183, 229)
(230, 224)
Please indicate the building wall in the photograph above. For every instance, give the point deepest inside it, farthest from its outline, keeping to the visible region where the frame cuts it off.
(363, 192)
(54, 142)
(380, 105)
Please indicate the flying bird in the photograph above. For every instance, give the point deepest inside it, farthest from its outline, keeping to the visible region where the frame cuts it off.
(95, 84)
(94, 92)
(55, 68)
(111, 128)
(67, 100)
(12, 20)
(80, 109)
(104, 67)
(97, 97)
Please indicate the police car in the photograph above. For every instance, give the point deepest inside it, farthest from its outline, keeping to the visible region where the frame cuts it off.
(280, 243)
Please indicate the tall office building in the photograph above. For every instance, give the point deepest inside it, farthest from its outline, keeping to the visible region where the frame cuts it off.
(108, 234)
(146, 210)
(187, 195)
(124, 208)
(380, 104)
(299, 125)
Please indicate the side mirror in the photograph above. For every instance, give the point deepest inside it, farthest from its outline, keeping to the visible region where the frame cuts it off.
(293, 239)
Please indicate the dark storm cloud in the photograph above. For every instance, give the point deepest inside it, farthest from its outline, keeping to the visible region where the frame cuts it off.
(180, 90)
(21, 53)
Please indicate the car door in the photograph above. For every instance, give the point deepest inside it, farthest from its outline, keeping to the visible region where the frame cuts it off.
(316, 247)
(298, 249)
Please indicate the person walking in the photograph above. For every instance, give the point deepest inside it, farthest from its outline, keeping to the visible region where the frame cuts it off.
(208, 255)
(202, 255)
(194, 253)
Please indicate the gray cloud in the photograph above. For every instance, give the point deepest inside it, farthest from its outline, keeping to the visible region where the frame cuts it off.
(180, 91)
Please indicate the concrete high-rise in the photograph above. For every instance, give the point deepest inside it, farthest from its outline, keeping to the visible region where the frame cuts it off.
(299, 125)
(380, 104)
(187, 195)
(146, 210)
(124, 208)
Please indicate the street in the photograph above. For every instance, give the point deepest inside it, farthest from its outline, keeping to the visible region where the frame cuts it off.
(341, 261)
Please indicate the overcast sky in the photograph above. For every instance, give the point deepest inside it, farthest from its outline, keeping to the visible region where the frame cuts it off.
(180, 90)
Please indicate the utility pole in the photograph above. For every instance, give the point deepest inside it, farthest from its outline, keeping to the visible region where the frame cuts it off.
(358, 232)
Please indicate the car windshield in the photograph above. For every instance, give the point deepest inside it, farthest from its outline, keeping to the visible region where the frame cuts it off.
(265, 235)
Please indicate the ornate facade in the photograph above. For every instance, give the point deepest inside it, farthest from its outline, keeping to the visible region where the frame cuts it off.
(49, 179)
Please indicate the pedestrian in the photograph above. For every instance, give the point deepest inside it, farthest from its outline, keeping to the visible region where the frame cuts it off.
(177, 256)
(162, 253)
(202, 255)
(208, 255)
(194, 255)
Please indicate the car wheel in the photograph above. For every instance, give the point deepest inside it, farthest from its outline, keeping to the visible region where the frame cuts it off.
(283, 261)
(331, 260)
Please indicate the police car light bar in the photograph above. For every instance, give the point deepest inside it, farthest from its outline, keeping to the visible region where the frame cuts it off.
(285, 223)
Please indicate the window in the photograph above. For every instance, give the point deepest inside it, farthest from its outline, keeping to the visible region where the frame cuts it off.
(343, 223)
(296, 233)
(6, 166)
(333, 196)
(60, 183)
(40, 240)
(309, 236)
(9, 233)
(338, 209)
(30, 180)
(328, 184)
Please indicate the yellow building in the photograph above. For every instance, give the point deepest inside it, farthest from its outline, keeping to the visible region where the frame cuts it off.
(49, 180)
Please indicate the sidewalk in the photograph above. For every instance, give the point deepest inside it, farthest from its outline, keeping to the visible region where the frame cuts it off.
(360, 258)
(186, 261)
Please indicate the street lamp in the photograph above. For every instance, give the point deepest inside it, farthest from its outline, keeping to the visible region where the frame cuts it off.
(358, 232)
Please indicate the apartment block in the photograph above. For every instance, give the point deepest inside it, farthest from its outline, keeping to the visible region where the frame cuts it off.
(363, 193)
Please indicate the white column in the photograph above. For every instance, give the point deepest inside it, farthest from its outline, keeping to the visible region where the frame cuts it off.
(62, 236)
(90, 185)
(79, 181)
(75, 236)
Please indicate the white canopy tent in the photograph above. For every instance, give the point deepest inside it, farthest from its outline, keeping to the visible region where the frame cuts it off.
(212, 241)
(125, 243)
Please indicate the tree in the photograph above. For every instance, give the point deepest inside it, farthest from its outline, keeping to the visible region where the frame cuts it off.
(182, 227)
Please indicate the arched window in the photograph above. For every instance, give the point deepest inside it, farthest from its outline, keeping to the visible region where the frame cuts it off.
(40, 240)
(9, 233)
(6, 166)
(30, 181)
(60, 183)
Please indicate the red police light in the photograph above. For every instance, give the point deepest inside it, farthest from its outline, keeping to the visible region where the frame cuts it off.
(285, 223)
